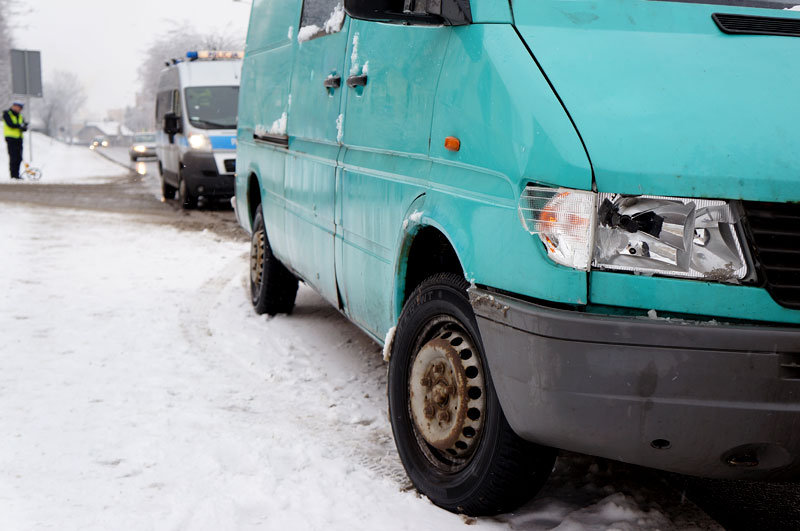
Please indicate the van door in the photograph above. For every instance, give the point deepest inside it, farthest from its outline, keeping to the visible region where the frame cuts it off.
(392, 74)
(314, 112)
(166, 147)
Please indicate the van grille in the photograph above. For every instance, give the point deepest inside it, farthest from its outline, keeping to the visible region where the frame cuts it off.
(230, 165)
(750, 25)
(776, 240)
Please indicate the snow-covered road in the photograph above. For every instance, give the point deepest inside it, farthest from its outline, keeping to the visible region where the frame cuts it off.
(138, 390)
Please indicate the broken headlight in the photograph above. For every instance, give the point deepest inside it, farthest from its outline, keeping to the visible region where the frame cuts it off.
(690, 238)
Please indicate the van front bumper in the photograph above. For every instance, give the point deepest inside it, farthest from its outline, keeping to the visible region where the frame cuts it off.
(203, 178)
(699, 398)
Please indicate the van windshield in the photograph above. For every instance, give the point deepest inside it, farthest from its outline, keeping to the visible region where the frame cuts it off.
(212, 107)
(765, 4)
(144, 138)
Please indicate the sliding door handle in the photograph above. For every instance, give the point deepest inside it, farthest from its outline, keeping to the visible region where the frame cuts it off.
(333, 82)
(357, 81)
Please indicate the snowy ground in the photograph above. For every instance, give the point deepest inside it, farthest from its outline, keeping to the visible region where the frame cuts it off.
(139, 390)
(58, 162)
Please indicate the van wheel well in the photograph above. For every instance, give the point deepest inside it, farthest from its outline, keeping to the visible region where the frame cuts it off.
(253, 195)
(430, 253)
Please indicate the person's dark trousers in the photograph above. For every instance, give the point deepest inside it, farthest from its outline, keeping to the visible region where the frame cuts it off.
(14, 156)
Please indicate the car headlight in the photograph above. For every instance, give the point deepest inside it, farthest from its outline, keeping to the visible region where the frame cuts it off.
(673, 236)
(139, 149)
(200, 142)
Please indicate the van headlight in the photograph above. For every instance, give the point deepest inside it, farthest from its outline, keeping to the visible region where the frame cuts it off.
(199, 142)
(564, 220)
(651, 235)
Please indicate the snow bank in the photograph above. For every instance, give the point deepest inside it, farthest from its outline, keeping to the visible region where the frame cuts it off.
(64, 164)
(140, 391)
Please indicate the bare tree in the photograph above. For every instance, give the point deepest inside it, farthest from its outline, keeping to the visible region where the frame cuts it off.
(5, 47)
(178, 40)
(64, 95)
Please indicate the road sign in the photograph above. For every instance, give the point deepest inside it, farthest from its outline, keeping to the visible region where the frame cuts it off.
(26, 73)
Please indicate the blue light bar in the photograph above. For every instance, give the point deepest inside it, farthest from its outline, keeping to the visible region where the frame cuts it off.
(191, 55)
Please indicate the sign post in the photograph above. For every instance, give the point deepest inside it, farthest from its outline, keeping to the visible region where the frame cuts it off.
(26, 79)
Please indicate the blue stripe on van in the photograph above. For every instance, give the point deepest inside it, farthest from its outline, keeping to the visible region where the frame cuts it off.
(223, 142)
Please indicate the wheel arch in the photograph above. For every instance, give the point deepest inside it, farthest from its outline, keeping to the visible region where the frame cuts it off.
(254, 196)
(426, 249)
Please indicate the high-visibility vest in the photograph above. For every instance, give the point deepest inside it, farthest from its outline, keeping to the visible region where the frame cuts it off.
(10, 132)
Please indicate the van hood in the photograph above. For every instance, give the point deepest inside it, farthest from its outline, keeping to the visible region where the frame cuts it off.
(666, 103)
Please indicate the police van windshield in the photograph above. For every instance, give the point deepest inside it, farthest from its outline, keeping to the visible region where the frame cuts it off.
(765, 4)
(212, 107)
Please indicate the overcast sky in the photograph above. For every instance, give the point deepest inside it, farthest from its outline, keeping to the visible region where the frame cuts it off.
(103, 42)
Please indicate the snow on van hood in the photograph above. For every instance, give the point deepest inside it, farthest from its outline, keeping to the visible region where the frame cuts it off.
(666, 103)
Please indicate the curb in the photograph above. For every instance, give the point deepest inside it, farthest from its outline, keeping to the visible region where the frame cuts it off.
(115, 161)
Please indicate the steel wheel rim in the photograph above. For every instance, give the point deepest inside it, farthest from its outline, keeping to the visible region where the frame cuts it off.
(447, 394)
(257, 251)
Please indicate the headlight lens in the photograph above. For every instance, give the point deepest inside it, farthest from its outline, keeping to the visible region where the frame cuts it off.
(564, 220)
(139, 149)
(200, 142)
(681, 237)
(691, 238)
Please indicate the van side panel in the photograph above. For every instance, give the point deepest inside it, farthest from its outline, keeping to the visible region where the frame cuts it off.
(264, 97)
(272, 23)
(385, 164)
(513, 130)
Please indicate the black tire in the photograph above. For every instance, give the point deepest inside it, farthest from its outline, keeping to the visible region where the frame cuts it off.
(167, 190)
(479, 466)
(188, 201)
(273, 288)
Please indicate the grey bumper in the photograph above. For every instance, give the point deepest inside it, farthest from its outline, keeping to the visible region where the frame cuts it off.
(711, 400)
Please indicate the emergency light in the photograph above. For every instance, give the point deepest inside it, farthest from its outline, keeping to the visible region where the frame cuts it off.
(214, 54)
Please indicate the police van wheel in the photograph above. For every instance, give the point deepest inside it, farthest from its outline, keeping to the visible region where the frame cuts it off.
(167, 190)
(273, 288)
(188, 201)
(449, 429)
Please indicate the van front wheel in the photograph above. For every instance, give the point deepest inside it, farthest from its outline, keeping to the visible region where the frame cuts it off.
(188, 201)
(450, 431)
(273, 288)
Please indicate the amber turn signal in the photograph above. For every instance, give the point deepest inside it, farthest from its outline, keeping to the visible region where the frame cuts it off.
(452, 143)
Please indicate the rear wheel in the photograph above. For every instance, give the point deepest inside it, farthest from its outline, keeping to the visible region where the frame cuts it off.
(450, 431)
(273, 288)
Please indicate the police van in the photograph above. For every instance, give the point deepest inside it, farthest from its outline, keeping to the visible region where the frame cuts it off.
(196, 111)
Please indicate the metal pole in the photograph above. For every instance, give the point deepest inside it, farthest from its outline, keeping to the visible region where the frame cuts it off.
(30, 133)
(27, 104)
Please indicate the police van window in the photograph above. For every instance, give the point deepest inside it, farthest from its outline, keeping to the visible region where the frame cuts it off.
(163, 105)
(212, 107)
(176, 102)
(320, 18)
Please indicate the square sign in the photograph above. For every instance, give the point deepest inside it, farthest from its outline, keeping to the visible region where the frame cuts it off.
(26, 73)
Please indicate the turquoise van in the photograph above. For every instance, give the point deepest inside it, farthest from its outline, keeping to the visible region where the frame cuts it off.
(573, 224)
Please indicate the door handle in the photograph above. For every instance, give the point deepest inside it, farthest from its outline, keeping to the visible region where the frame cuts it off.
(357, 81)
(333, 82)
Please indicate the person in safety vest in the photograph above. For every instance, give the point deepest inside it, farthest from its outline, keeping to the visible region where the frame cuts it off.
(14, 125)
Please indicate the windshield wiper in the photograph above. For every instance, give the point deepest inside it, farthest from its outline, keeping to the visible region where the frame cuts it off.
(215, 124)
